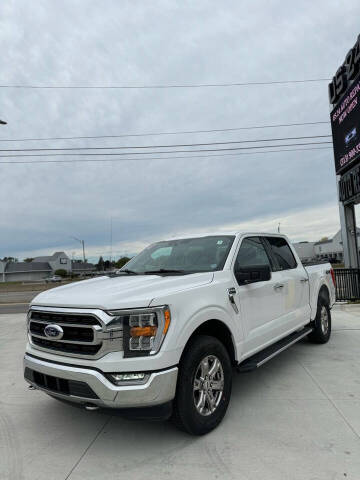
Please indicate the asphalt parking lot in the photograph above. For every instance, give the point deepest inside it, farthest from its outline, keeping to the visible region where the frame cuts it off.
(298, 417)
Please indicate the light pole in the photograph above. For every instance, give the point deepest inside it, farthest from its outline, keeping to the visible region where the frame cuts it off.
(83, 246)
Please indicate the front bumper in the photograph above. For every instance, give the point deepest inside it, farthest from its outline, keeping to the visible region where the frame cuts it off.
(98, 390)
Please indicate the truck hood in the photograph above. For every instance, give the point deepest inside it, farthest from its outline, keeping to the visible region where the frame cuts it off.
(130, 291)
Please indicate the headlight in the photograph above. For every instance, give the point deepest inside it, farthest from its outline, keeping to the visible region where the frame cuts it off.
(144, 329)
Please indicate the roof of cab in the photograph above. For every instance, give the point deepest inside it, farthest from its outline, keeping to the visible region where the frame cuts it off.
(221, 234)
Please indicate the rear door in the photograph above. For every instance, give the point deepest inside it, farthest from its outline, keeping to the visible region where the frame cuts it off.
(262, 304)
(295, 283)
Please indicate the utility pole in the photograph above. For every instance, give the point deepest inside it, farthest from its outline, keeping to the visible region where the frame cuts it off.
(83, 246)
(3, 123)
(279, 228)
(111, 233)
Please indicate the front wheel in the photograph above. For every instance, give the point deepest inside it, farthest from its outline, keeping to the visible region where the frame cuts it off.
(322, 323)
(204, 386)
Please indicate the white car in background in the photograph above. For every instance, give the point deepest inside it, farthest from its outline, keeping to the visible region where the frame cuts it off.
(53, 279)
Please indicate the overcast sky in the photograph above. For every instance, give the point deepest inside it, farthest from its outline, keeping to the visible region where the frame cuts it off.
(166, 42)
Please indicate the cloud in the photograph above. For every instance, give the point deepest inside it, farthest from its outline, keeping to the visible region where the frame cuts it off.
(159, 42)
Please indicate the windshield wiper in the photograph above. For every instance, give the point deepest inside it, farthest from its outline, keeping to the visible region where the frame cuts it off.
(129, 272)
(164, 270)
(119, 272)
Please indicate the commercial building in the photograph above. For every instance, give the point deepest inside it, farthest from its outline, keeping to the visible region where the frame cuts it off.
(331, 249)
(23, 271)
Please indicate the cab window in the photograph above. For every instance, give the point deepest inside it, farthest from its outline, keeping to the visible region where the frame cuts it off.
(283, 256)
(252, 253)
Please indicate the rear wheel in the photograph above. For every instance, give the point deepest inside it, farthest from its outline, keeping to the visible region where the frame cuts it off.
(322, 323)
(204, 386)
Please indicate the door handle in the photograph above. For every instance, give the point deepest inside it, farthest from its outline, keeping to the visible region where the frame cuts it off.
(231, 293)
(304, 280)
(278, 286)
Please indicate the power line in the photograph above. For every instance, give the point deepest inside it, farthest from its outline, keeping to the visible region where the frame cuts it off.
(164, 133)
(189, 85)
(157, 153)
(162, 146)
(78, 160)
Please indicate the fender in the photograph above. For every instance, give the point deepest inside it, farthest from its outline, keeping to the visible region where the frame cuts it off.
(190, 309)
(204, 315)
(316, 293)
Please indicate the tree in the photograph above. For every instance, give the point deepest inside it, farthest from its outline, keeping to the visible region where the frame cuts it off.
(61, 272)
(28, 260)
(100, 264)
(9, 259)
(324, 239)
(121, 262)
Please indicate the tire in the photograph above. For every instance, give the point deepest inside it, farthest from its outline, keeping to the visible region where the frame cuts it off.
(210, 392)
(322, 322)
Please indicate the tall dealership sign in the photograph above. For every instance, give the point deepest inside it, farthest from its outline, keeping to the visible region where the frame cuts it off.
(344, 96)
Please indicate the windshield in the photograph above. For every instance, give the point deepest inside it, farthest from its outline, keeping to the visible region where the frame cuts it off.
(190, 255)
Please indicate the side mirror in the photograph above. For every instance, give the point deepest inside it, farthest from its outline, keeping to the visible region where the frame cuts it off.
(252, 274)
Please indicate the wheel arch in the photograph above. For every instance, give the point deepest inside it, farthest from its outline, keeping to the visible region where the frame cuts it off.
(324, 293)
(218, 329)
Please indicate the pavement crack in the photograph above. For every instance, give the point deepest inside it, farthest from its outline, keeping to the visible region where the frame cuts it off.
(330, 400)
(88, 447)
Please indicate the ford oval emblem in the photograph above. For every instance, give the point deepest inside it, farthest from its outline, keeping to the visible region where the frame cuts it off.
(54, 331)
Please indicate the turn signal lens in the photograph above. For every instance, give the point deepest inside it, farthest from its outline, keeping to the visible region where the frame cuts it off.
(167, 318)
(143, 331)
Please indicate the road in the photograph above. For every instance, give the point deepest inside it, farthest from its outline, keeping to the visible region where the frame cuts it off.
(13, 307)
(16, 302)
(297, 417)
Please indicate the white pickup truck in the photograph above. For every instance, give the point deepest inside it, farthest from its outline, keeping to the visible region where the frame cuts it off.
(163, 335)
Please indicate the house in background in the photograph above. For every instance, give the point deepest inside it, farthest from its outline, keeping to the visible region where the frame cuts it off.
(59, 260)
(78, 267)
(26, 272)
(42, 267)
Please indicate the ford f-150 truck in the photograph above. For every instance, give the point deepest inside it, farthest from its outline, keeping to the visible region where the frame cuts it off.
(163, 335)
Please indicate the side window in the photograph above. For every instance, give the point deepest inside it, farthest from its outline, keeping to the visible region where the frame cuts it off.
(251, 253)
(161, 252)
(282, 253)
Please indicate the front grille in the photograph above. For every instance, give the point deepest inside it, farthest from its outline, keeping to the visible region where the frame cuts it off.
(75, 348)
(50, 317)
(60, 385)
(79, 332)
(83, 334)
(70, 333)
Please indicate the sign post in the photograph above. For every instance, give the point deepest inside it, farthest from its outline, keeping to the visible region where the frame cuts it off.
(348, 234)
